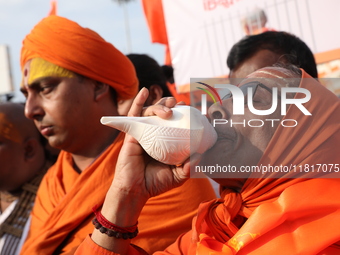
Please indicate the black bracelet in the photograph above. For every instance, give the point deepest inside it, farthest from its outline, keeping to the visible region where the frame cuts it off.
(113, 233)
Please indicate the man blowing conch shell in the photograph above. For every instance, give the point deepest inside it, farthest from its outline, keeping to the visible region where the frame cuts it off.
(294, 212)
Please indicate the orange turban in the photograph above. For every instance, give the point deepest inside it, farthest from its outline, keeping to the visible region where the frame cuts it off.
(81, 50)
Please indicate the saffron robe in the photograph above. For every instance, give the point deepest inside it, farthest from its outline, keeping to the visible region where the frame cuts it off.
(62, 213)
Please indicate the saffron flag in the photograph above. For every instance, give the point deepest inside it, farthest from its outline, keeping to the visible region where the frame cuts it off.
(153, 10)
(53, 10)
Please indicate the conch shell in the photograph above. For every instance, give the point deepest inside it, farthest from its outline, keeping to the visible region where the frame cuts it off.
(170, 141)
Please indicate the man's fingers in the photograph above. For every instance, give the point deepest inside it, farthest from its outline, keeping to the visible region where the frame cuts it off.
(138, 103)
(181, 103)
(167, 101)
(162, 108)
(182, 172)
(158, 110)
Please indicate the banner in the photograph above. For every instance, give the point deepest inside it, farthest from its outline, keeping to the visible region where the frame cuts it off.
(6, 83)
(201, 32)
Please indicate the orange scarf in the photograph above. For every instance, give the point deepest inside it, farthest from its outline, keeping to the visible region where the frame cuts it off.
(81, 50)
(62, 213)
(65, 200)
(280, 215)
(286, 215)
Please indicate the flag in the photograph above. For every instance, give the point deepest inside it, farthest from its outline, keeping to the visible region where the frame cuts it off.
(53, 10)
(153, 10)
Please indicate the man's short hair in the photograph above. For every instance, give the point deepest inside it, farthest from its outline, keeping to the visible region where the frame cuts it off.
(149, 72)
(290, 48)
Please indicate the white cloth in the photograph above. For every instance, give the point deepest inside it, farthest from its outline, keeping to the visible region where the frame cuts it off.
(3, 217)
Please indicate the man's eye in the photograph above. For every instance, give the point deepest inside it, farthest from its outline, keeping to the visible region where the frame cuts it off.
(46, 88)
(255, 100)
(24, 93)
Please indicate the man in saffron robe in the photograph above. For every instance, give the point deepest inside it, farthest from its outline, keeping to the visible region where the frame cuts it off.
(71, 78)
(288, 212)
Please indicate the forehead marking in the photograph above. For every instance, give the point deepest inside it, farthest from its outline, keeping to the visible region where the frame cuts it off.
(7, 129)
(39, 68)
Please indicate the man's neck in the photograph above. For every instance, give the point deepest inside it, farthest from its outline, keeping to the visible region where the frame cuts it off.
(82, 161)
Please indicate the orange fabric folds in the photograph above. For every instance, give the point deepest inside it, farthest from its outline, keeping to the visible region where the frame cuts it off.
(63, 208)
(81, 50)
(61, 217)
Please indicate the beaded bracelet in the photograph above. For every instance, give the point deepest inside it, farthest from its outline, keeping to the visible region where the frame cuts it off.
(112, 230)
(113, 233)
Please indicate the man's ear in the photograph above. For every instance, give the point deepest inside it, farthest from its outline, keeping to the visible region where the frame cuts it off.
(100, 90)
(31, 147)
(123, 106)
(155, 94)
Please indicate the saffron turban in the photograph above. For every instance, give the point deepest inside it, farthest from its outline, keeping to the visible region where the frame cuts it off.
(81, 50)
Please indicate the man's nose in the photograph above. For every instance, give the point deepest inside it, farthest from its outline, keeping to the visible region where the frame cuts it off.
(33, 110)
(217, 111)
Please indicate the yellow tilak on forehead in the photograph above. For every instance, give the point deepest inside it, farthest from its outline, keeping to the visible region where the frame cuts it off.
(40, 68)
(7, 130)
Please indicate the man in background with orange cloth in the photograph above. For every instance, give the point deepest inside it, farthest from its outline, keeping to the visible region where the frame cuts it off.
(24, 161)
(295, 210)
(71, 78)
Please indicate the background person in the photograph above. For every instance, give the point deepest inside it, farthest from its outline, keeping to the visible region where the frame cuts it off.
(24, 161)
(168, 71)
(255, 22)
(150, 76)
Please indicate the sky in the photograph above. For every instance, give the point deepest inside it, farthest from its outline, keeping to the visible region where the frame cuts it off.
(106, 17)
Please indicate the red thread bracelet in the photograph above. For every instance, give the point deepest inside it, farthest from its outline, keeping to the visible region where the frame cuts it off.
(112, 233)
(109, 225)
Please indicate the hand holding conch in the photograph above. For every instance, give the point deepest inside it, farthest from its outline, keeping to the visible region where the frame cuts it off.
(139, 173)
(138, 177)
(170, 141)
